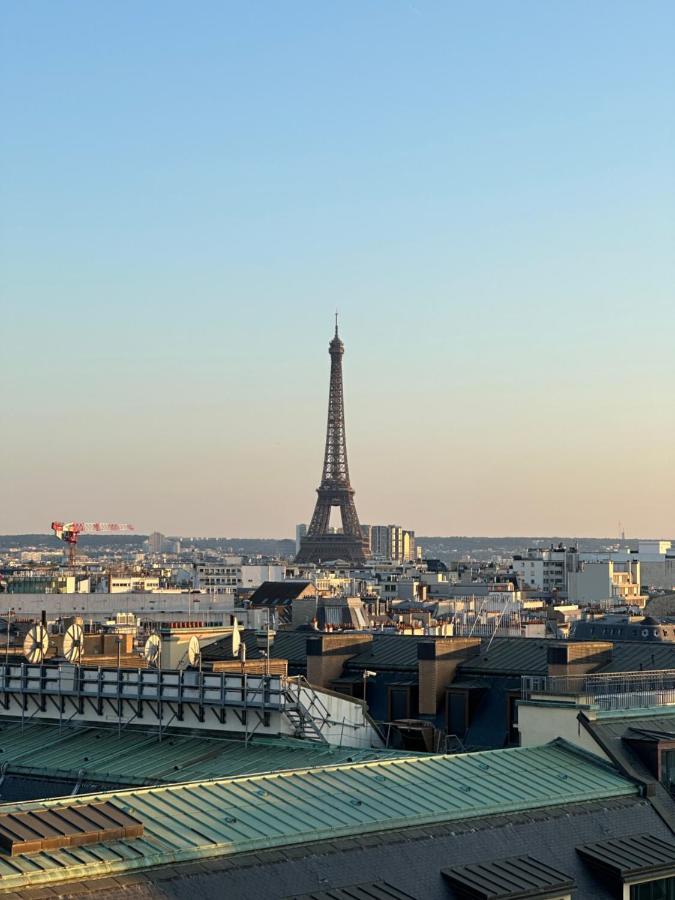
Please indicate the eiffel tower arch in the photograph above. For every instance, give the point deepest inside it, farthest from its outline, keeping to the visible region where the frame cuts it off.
(320, 544)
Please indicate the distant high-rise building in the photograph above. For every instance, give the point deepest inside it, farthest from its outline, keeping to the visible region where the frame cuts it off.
(393, 543)
(160, 543)
(156, 542)
(365, 531)
(300, 532)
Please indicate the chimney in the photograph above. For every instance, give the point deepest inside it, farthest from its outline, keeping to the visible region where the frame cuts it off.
(327, 654)
(437, 661)
(577, 657)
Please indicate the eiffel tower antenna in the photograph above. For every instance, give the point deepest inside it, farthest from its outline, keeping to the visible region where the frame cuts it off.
(320, 544)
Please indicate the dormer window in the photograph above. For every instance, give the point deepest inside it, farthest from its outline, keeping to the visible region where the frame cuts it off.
(642, 866)
(510, 879)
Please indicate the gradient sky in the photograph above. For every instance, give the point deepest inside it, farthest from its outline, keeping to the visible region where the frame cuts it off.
(486, 190)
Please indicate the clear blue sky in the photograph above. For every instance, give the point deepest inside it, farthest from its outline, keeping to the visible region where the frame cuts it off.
(486, 190)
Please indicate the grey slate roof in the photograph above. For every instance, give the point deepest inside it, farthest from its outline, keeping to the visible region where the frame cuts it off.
(515, 878)
(410, 859)
(632, 856)
(609, 733)
(278, 593)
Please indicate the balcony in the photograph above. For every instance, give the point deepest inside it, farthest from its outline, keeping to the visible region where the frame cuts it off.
(623, 690)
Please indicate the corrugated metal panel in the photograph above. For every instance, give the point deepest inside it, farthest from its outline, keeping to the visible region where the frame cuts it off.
(215, 818)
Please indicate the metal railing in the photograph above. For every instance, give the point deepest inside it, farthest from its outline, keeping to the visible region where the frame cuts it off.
(187, 686)
(622, 690)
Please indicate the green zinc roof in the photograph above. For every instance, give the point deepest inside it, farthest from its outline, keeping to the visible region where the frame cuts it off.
(139, 758)
(215, 818)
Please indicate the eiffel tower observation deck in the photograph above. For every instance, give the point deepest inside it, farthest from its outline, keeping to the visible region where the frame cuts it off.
(320, 544)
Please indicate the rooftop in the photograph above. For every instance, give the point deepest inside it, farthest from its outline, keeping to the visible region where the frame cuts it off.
(138, 758)
(277, 593)
(608, 691)
(516, 878)
(637, 856)
(203, 819)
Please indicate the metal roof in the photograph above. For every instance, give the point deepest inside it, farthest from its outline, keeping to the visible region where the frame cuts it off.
(516, 878)
(222, 648)
(389, 651)
(198, 820)
(292, 645)
(510, 656)
(278, 593)
(374, 890)
(632, 857)
(633, 656)
(139, 758)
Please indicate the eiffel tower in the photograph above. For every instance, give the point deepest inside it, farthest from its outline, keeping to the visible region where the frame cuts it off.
(320, 544)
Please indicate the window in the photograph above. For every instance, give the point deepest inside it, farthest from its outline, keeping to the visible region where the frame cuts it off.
(664, 889)
(668, 770)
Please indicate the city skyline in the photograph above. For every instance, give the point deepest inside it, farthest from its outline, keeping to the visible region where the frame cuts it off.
(492, 209)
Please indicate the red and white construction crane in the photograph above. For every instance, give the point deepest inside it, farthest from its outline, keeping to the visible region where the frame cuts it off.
(70, 531)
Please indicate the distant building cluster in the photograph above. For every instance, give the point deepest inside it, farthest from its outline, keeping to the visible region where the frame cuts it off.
(386, 543)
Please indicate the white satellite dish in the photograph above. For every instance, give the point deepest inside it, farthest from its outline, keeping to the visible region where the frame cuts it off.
(73, 642)
(36, 644)
(153, 649)
(194, 651)
(236, 639)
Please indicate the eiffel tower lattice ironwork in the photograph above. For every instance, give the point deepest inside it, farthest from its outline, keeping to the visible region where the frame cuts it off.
(320, 544)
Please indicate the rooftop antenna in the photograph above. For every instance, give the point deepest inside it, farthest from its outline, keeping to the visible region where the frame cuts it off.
(36, 644)
(236, 638)
(152, 650)
(72, 644)
(336, 323)
(194, 652)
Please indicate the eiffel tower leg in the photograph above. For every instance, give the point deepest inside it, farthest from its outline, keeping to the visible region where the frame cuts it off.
(321, 518)
(350, 520)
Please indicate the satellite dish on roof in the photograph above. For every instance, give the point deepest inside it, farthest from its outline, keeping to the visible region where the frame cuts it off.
(36, 644)
(152, 650)
(194, 651)
(73, 641)
(236, 638)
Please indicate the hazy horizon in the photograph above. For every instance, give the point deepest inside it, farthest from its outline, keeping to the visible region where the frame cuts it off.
(487, 194)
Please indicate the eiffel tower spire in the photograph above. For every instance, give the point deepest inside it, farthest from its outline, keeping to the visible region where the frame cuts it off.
(319, 544)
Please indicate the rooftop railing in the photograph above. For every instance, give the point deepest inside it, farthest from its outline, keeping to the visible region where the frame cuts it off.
(187, 686)
(622, 690)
